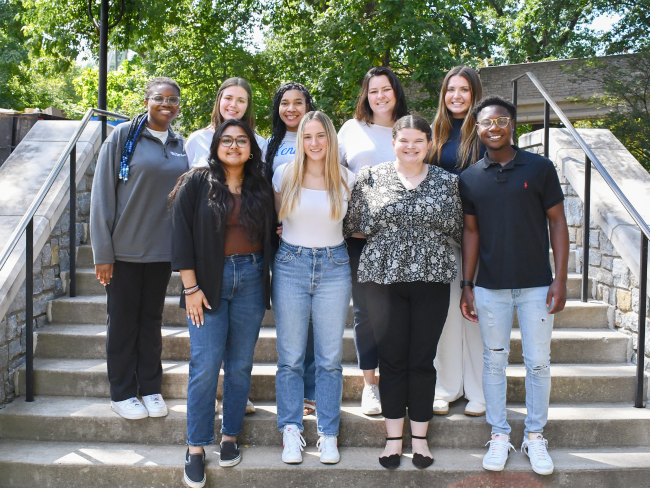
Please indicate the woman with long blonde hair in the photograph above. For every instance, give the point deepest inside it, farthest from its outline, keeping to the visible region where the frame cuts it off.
(456, 146)
(311, 276)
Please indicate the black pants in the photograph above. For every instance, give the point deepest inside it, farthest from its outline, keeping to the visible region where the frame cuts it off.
(136, 298)
(364, 337)
(408, 319)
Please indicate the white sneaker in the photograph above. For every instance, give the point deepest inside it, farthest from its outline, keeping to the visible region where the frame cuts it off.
(292, 444)
(329, 451)
(474, 409)
(497, 455)
(370, 401)
(535, 447)
(250, 408)
(155, 405)
(440, 407)
(130, 409)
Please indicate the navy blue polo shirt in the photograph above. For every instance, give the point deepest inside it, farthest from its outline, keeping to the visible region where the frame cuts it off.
(510, 204)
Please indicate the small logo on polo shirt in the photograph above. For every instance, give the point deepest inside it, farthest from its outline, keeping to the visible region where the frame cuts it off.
(525, 184)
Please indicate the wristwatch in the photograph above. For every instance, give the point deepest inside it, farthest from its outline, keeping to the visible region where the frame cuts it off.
(464, 283)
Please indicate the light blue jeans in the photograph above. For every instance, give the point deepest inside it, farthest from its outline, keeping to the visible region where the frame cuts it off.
(495, 309)
(312, 281)
(229, 334)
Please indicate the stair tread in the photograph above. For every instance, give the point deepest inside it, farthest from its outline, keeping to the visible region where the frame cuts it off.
(66, 406)
(182, 367)
(153, 457)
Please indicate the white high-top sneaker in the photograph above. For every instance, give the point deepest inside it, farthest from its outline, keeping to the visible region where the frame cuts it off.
(497, 455)
(292, 444)
(329, 451)
(535, 447)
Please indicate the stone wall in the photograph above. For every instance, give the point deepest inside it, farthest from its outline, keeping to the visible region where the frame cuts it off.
(51, 275)
(611, 280)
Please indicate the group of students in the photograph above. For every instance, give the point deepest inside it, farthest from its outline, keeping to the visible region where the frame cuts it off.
(384, 211)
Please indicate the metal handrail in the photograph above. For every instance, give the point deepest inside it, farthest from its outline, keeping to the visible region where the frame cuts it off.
(26, 225)
(590, 158)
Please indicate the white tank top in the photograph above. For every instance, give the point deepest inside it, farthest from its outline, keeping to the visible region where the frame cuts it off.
(310, 224)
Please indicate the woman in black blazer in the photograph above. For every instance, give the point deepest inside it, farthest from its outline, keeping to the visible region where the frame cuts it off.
(222, 219)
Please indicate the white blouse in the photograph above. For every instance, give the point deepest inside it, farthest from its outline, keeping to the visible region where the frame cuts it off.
(310, 224)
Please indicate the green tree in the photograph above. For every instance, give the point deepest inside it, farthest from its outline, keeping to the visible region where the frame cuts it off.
(329, 46)
(13, 52)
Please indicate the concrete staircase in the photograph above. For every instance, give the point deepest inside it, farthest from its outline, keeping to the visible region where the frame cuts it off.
(69, 437)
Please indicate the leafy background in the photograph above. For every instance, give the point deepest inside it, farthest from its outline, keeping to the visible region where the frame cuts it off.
(48, 51)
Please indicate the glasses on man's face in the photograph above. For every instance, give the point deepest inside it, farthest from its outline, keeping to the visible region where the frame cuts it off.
(160, 100)
(227, 141)
(501, 122)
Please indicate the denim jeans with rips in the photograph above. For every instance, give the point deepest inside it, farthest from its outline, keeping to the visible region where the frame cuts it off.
(495, 309)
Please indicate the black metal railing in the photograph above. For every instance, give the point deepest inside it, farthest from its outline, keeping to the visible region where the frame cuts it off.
(26, 225)
(590, 158)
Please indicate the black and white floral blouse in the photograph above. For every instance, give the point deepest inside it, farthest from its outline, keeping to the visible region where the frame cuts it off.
(407, 230)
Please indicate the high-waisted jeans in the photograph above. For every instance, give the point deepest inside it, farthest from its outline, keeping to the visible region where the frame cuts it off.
(495, 309)
(312, 281)
(229, 334)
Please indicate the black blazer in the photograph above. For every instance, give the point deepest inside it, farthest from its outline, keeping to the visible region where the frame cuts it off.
(197, 244)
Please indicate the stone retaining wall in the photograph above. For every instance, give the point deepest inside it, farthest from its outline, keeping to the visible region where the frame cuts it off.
(51, 275)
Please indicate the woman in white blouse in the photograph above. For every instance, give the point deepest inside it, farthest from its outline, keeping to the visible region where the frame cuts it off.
(311, 276)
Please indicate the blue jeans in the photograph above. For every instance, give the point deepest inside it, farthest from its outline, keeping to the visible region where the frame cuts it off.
(495, 309)
(229, 334)
(312, 281)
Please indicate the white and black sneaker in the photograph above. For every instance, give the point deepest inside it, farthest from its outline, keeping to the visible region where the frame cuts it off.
(194, 474)
(230, 455)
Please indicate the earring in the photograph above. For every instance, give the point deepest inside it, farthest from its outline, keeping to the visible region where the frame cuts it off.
(250, 157)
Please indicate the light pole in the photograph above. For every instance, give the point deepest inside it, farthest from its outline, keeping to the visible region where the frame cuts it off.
(103, 28)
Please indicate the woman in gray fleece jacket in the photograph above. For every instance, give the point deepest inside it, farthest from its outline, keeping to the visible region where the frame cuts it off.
(130, 230)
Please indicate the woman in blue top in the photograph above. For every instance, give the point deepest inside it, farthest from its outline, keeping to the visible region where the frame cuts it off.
(459, 360)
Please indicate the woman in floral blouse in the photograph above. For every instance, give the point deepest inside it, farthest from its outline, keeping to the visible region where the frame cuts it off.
(407, 210)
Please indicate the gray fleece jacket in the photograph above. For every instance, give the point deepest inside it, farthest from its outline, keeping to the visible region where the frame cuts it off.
(130, 222)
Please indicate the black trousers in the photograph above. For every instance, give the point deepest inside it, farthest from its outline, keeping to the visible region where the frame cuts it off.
(136, 298)
(408, 319)
(364, 337)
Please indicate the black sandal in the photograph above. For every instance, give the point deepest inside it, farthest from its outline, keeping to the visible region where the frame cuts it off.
(420, 461)
(392, 461)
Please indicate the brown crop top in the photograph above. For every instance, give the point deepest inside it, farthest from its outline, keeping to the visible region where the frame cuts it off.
(236, 239)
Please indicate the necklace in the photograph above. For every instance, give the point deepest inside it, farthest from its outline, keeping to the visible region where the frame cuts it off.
(413, 176)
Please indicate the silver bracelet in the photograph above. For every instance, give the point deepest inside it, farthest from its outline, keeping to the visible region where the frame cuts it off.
(189, 291)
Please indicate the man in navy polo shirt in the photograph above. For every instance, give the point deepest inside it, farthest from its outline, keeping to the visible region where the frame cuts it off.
(511, 200)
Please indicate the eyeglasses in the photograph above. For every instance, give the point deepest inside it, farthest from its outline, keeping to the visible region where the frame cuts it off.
(501, 122)
(226, 141)
(160, 100)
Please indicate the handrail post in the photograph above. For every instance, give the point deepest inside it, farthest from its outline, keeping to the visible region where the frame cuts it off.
(514, 101)
(640, 342)
(585, 231)
(547, 123)
(73, 221)
(29, 311)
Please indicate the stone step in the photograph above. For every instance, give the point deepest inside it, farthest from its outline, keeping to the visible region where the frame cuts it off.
(85, 256)
(107, 465)
(572, 265)
(89, 342)
(87, 377)
(78, 419)
(92, 310)
(88, 284)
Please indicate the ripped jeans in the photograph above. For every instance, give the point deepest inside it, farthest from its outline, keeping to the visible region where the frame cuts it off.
(495, 309)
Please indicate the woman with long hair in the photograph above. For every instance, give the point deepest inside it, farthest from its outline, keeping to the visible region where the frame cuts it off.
(311, 277)
(223, 222)
(291, 102)
(366, 140)
(131, 234)
(456, 146)
(234, 101)
(407, 210)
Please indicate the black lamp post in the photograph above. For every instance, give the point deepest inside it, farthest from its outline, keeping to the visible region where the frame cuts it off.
(103, 28)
